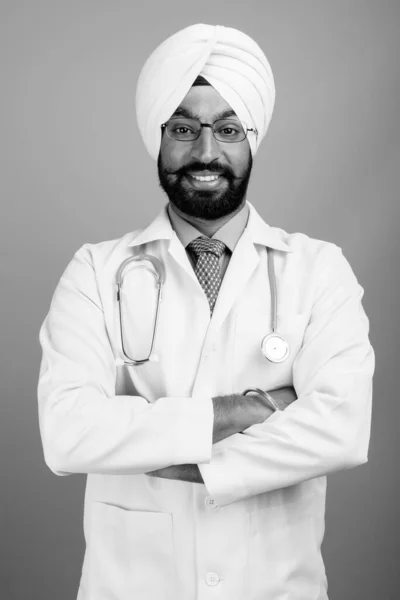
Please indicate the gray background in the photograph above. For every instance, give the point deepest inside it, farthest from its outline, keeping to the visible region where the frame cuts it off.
(74, 170)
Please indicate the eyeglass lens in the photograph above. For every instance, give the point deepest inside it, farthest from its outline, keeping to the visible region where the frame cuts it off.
(225, 130)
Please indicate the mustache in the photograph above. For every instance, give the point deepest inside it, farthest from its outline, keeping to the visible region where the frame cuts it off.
(199, 166)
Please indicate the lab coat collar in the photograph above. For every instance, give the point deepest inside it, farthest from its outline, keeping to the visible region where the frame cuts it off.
(263, 234)
(257, 229)
(159, 229)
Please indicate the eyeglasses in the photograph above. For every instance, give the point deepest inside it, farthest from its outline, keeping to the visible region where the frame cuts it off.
(224, 130)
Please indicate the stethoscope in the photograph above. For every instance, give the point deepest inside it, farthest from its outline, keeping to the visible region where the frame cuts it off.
(156, 268)
(273, 346)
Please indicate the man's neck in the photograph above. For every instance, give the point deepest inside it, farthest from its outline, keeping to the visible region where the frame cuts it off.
(207, 227)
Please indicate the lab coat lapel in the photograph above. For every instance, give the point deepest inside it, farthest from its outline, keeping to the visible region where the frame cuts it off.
(242, 264)
(160, 229)
(178, 253)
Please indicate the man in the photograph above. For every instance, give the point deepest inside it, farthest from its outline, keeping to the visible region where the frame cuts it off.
(195, 488)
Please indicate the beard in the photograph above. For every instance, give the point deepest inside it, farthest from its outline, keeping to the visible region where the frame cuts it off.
(204, 204)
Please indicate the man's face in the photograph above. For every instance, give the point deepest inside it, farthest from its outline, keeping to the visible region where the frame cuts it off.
(179, 163)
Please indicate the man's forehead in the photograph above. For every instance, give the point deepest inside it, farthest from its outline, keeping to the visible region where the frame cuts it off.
(204, 102)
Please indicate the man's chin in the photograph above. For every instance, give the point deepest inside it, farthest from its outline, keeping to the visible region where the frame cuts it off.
(208, 206)
(203, 196)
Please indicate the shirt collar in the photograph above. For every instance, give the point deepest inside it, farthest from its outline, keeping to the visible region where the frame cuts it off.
(260, 233)
(229, 233)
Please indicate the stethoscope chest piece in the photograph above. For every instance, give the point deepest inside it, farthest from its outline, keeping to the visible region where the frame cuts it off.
(275, 348)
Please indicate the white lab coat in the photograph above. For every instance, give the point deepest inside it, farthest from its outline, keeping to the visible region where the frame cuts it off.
(254, 529)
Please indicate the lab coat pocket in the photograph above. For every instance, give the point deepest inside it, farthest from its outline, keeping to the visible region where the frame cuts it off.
(251, 368)
(131, 554)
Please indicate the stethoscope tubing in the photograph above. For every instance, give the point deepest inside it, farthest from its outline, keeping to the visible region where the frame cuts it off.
(158, 272)
(273, 290)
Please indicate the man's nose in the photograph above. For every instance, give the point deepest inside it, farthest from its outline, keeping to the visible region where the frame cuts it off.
(205, 148)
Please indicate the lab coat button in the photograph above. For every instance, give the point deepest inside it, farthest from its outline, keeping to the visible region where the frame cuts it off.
(210, 502)
(212, 579)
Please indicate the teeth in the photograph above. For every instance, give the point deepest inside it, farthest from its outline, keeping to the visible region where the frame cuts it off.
(206, 177)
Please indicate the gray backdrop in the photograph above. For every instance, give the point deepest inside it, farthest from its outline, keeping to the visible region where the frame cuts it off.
(74, 170)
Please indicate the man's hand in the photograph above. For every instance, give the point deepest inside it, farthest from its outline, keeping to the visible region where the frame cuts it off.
(235, 413)
(283, 396)
(232, 414)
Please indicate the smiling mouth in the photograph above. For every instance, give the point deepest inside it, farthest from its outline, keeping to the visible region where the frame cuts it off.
(205, 182)
(205, 177)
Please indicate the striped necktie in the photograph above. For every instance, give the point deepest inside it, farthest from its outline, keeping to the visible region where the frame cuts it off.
(208, 252)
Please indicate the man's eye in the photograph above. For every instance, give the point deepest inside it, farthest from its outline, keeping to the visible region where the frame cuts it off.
(228, 131)
(181, 126)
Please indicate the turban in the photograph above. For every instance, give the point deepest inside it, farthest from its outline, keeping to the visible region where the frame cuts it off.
(228, 59)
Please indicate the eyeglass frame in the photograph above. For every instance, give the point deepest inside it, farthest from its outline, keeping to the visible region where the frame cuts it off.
(211, 125)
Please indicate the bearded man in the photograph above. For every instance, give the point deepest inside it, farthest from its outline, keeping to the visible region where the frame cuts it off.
(206, 422)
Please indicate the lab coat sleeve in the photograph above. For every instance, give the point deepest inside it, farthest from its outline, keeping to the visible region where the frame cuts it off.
(328, 427)
(84, 426)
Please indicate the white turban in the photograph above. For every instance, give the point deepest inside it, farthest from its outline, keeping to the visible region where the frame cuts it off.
(228, 59)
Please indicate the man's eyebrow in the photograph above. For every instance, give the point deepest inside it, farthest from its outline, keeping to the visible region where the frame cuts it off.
(225, 114)
(185, 112)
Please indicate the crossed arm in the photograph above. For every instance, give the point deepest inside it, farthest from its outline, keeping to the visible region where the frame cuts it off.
(327, 429)
(86, 428)
(232, 414)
